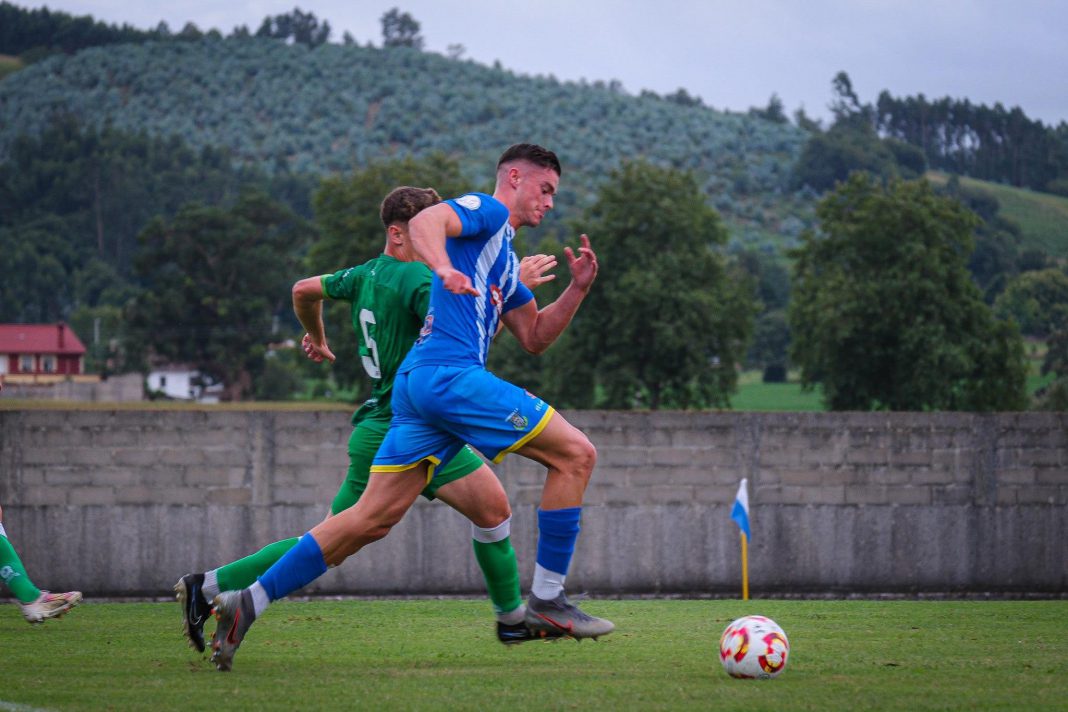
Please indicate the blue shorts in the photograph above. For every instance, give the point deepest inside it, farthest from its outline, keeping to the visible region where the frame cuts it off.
(436, 409)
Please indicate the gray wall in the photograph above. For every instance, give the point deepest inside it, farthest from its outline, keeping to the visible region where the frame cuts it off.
(123, 501)
(123, 388)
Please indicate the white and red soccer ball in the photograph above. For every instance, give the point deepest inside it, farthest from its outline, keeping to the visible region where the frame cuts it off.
(754, 647)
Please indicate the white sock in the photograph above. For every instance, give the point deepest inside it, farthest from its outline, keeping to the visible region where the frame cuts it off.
(513, 617)
(260, 599)
(547, 584)
(492, 534)
(211, 585)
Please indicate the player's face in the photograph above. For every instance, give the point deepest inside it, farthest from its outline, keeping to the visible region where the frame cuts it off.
(534, 195)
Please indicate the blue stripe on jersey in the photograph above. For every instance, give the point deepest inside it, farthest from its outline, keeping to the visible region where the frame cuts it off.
(459, 328)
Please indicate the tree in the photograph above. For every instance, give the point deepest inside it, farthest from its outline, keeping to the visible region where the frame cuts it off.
(75, 199)
(846, 102)
(996, 258)
(884, 313)
(218, 276)
(1055, 395)
(683, 98)
(1035, 300)
(774, 111)
(399, 29)
(350, 232)
(771, 346)
(828, 158)
(298, 27)
(666, 323)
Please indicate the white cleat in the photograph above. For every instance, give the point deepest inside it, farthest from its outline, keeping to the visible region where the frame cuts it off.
(50, 605)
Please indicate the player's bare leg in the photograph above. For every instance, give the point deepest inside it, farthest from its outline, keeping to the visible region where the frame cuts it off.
(570, 457)
(387, 498)
(480, 497)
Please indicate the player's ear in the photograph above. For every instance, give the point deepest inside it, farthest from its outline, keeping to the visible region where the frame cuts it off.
(396, 234)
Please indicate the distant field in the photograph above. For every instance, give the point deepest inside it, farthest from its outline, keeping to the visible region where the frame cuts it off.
(1043, 218)
(441, 655)
(9, 64)
(755, 395)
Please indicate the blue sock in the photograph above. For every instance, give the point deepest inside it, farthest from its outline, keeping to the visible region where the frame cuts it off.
(558, 529)
(296, 569)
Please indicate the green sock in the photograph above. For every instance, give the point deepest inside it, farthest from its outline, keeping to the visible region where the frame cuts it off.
(12, 573)
(244, 572)
(497, 561)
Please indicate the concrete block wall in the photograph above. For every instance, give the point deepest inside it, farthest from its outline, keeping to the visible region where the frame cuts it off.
(123, 501)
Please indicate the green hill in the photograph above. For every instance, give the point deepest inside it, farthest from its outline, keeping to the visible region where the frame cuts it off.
(1042, 217)
(9, 64)
(334, 107)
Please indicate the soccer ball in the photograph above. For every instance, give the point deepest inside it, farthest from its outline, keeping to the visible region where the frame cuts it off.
(754, 646)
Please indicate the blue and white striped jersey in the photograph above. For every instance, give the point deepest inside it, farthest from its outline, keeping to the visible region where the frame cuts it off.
(458, 327)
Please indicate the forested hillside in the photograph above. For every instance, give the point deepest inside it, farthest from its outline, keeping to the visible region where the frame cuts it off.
(335, 107)
(162, 191)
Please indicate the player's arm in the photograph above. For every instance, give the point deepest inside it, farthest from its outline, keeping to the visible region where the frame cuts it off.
(428, 231)
(536, 329)
(532, 273)
(308, 305)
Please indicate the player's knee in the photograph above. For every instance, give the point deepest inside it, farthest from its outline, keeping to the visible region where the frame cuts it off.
(582, 455)
(382, 526)
(496, 514)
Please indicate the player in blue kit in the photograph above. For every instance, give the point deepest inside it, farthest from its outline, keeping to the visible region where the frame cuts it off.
(444, 396)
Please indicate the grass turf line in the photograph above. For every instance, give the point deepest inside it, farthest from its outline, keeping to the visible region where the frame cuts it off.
(441, 654)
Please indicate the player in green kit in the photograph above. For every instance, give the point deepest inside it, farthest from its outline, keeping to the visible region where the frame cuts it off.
(37, 605)
(389, 296)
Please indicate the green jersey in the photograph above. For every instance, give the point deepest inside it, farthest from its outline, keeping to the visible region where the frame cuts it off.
(389, 300)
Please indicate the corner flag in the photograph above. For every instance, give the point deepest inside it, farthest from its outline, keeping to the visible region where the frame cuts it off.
(740, 514)
(740, 511)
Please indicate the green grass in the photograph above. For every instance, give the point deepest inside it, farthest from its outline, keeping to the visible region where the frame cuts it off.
(440, 654)
(9, 65)
(755, 395)
(1042, 217)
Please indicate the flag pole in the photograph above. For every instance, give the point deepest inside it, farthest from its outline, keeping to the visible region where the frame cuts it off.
(745, 568)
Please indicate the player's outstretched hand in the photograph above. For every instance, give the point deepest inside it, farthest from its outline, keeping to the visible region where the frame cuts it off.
(533, 268)
(584, 266)
(456, 281)
(317, 352)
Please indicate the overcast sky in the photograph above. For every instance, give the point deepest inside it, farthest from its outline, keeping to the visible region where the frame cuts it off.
(732, 53)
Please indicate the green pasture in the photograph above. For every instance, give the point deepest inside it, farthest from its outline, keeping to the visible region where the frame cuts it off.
(755, 395)
(1042, 217)
(9, 65)
(441, 655)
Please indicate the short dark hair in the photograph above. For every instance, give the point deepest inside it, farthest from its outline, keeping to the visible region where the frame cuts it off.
(404, 203)
(532, 153)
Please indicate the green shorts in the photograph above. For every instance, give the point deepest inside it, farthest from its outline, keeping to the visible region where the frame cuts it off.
(363, 444)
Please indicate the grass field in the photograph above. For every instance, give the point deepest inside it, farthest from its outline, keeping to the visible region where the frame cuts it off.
(1042, 217)
(755, 395)
(440, 655)
(9, 65)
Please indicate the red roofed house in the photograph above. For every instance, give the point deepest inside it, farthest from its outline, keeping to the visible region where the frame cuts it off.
(39, 350)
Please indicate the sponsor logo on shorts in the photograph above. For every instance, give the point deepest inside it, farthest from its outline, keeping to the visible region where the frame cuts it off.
(540, 406)
(518, 421)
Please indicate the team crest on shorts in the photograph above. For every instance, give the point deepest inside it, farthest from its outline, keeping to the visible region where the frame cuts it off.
(518, 421)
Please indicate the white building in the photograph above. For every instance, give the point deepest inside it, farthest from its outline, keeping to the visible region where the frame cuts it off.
(183, 383)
